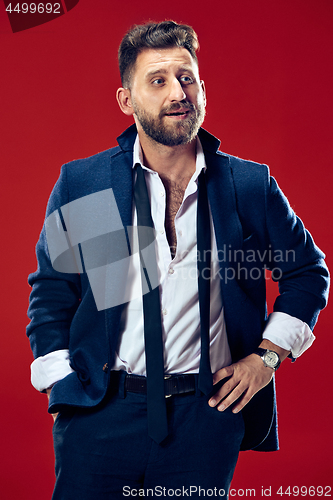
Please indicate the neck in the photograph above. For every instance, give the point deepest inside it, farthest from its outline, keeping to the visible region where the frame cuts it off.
(172, 162)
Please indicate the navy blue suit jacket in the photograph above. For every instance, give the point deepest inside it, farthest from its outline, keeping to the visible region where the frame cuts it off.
(249, 212)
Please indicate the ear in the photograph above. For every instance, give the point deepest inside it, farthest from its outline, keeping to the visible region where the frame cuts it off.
(123, 97)
(202, 83)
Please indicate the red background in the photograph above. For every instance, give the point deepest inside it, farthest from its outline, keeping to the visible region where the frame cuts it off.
(267, 66)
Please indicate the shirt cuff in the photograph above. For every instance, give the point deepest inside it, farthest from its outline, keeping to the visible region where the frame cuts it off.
(49, 369)
(288, 333)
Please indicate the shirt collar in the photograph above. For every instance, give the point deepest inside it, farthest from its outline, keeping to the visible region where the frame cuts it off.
(200, 160)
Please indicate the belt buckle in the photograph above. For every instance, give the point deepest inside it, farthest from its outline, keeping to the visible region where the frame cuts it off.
(166, 377)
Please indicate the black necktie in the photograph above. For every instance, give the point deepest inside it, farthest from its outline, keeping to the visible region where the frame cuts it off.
(156, 406)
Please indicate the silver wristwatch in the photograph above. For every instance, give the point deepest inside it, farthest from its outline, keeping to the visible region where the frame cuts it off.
(270, 358)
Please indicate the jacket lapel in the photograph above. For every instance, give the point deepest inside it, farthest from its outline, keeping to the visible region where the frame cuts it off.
(121, 172)
(121, 181)
(222, 195)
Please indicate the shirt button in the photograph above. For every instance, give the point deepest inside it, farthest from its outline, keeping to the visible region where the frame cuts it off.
(161, 194)
(164, 312)
(180, 233)
(171, 270)
(162, 231)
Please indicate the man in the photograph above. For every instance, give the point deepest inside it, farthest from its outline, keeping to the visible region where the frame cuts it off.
(131, 372)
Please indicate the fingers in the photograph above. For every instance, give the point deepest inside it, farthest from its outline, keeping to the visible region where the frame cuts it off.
(229, 385)
(240, 394)
(223, 373)
(54, 415)
(228, 394)
(246, 378)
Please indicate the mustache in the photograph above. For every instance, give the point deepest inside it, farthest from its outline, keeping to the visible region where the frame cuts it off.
(183, 105)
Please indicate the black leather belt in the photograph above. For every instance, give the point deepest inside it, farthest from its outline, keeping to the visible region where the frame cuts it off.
(173, 384)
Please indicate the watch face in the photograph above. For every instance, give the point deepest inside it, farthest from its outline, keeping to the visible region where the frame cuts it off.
(271, 359)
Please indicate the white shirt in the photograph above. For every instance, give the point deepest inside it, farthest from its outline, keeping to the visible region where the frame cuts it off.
(179, 300)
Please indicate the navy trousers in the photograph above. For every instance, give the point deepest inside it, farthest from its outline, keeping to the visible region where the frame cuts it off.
(105, 453)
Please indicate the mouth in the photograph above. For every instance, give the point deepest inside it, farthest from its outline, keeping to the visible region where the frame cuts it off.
(181, 113)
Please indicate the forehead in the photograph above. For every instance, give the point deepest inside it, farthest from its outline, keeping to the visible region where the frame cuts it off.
(164, 60)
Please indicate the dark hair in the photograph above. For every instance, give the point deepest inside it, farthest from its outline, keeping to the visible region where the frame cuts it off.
(153, 36)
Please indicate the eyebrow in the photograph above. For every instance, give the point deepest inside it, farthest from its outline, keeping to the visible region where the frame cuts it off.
(162, 71)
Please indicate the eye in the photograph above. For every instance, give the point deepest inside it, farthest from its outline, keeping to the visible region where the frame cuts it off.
(157, 81)
(186, 79)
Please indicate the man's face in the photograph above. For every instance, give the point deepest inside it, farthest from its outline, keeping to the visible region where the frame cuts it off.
(167, 96)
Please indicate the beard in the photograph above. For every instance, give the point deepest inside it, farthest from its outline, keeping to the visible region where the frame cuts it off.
(175, 133)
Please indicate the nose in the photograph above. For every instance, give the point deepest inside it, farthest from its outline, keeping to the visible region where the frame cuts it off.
(176, 91)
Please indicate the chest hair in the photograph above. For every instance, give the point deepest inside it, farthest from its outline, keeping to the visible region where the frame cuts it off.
(174, 197)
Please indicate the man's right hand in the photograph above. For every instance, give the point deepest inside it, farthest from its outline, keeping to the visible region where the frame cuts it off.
(54, 415)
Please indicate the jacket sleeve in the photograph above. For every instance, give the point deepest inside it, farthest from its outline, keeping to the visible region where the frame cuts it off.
(55, 296)
(296, 262)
